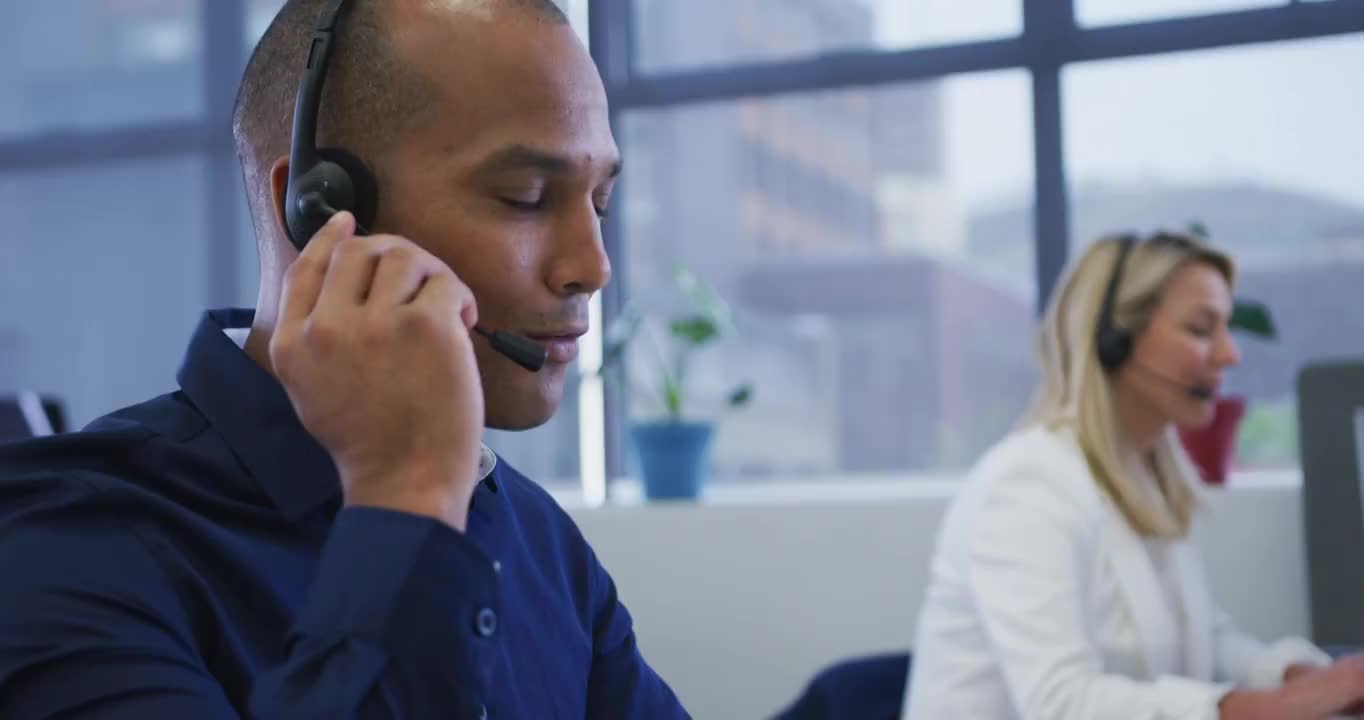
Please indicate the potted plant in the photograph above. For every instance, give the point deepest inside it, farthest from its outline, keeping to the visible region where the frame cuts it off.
(673, 447)
(1211, 448)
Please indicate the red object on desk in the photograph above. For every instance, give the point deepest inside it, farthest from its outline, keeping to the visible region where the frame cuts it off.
(1212, 447)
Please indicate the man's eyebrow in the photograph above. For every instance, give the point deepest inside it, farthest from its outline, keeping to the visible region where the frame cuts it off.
(524, 157)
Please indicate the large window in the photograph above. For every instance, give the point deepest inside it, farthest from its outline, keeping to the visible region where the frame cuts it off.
(883, 189)
(1263, 146)
(884, 200)
(874, 244)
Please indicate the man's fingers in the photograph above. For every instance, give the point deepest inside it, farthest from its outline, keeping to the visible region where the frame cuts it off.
(401, 273)
(304, 279)
(443, 295)
(351, 276)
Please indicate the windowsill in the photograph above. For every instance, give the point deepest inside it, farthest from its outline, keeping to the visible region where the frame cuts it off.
(627, 493)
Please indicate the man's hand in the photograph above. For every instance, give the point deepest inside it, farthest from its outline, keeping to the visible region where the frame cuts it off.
(372, 345)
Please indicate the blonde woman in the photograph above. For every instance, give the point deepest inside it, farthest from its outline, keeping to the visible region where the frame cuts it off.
(1064, 585)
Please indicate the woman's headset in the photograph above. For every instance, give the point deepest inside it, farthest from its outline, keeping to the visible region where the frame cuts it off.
(1114, 343)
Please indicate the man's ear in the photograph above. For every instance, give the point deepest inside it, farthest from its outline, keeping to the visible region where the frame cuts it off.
(279, 187)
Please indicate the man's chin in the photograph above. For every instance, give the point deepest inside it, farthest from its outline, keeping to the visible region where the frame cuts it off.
(527, 414)
(521, 400)
(518, 423)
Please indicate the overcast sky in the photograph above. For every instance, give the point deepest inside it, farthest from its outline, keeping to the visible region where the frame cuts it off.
(1288, 114)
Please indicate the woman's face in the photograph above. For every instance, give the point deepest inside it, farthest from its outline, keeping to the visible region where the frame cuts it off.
(1186, 345)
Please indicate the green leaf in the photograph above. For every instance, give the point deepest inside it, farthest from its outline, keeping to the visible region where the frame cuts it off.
(672, 395)
(1253, 317)
(697, 330)
(741, 395)
(704, 298)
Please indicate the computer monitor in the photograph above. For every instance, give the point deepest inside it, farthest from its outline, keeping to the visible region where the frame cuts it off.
(25, 415)
(1331, 438)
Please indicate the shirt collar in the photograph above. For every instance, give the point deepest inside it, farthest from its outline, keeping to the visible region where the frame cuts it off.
(248, 407)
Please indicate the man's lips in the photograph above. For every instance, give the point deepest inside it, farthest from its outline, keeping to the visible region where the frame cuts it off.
(560, 345)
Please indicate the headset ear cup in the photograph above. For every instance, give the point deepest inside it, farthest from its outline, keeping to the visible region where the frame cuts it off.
(325, 184)
(1115, 345)
(363, 185)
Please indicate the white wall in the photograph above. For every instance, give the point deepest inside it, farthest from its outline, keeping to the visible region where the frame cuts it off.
(738, 604)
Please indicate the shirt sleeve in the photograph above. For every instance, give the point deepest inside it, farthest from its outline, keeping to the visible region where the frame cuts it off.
(621, 683)
(399, 622)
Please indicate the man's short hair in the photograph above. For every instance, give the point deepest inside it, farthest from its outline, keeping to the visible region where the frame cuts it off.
(371, 94)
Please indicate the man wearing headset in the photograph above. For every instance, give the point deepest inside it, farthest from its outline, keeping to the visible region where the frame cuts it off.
(310, 527)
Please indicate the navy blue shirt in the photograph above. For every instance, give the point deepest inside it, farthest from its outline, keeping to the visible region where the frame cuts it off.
(189, 558)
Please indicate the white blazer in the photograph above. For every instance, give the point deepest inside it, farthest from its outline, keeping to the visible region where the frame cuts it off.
(1043, 604)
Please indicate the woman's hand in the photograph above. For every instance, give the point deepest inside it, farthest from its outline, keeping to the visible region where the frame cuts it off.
(1326, 692)
(1309, 693)
(1340, 678)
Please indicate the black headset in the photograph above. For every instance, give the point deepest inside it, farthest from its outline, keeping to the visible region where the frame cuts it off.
(325, 181)
(1114, 343)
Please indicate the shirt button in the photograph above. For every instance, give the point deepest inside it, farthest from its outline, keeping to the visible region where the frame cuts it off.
(487, 622)
(497, 566)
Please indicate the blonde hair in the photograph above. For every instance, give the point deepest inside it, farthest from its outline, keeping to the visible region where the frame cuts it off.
(1076, 391)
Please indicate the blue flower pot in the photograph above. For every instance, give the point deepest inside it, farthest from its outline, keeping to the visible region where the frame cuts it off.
(673, 458)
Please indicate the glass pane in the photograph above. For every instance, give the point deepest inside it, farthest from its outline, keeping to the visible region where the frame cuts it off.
(98, 304)
(83, 64)
(261, 12)
(1261, 145)
(876, 248)
(248, 258)
(576, 10)
(1109, 12)
(548, 454)
(676, 34)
